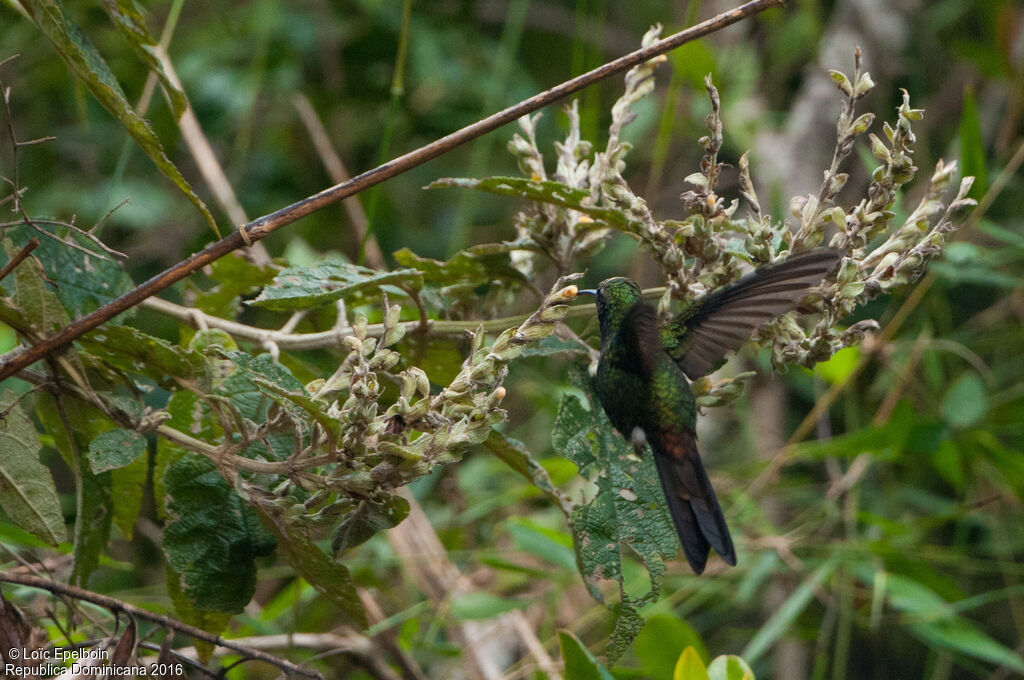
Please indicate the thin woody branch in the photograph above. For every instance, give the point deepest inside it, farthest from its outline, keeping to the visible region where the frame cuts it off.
(260, 228)
(118, 606)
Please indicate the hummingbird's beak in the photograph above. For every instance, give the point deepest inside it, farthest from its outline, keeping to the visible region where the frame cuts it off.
(587, 291)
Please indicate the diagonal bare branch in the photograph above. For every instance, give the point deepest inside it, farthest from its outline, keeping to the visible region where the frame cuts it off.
(262, 227)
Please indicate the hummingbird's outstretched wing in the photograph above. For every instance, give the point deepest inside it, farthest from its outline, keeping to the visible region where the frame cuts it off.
(699, 337)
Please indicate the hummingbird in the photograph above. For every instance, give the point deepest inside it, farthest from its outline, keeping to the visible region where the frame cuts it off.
(645, 368)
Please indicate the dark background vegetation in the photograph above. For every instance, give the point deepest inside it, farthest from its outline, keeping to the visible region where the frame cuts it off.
(921, 495)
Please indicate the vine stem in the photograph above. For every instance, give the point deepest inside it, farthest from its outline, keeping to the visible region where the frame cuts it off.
(115, 605)
(260, 228)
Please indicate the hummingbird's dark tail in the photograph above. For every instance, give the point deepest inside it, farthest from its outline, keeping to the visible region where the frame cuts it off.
(691, 500)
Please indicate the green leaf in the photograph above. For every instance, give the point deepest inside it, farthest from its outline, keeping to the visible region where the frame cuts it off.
(628, 509)
(514, 454)
(547, 544)
(478, 605)
(658, 644)
(235, 275)
(690, 666)
(129, 349)
(580, 664)
(126, 487)
(786, 614)
(543, 191)
(40, 305)
(259, 383)
(131, 24)
(88, 65)
(213, 537)
(729, 667)
(332, 280)
(211, 622)
(82, 282)
(966, 401)
(963, 636)
(27, 492)
(330, 578)
(73, 425)
(367, 518)
(933, 619)
(972, 146)
(115, 449)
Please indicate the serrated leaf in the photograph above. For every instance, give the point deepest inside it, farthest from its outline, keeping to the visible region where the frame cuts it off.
(330, 578)
(332, 280)
(131, 24)
(689, 666)
(250, 391)
(541, 191)
(89, 67)
(475, 267)
(27, 492)
(132, 350)
(115, 449)
(82, 282)
(580, 664)
(628, 509)
(234, 276)
(213, 537)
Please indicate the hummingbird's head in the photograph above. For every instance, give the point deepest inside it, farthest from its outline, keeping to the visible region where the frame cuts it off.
(615, 297)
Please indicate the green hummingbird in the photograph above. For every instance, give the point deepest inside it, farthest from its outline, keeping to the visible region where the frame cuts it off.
(645, 367)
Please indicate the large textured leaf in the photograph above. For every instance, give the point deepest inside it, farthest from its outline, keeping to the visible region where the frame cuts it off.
(234, 276)
(213, 537)
(27, 492)
(82, 282)
(330, 578)
(211, 622)
(541, 191)
(89, 67)
(129, 349)
(115, 449)
(259, 383)
(331, 280)
(627, 511)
